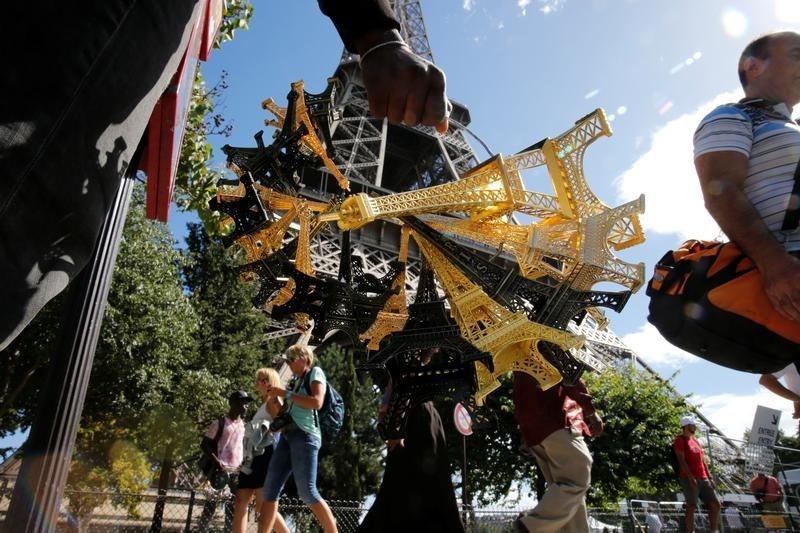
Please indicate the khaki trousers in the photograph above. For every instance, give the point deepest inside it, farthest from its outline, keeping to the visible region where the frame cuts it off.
(567, 467)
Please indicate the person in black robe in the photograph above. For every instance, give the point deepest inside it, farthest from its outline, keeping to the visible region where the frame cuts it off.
(416, 493)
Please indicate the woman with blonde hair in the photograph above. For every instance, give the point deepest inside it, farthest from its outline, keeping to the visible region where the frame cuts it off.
(298, 450)
(259, 444)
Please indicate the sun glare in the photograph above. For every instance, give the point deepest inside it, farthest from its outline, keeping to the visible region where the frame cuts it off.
(734, 22)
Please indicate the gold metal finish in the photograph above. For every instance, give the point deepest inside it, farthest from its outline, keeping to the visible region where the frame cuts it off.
(510, 337)
(394, 315)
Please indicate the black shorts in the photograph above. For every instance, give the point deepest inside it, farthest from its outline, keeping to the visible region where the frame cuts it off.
(255, 479)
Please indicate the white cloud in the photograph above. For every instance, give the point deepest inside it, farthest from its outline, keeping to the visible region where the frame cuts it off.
(733, 413)
(468, 5)
(649, 346)
(547, 6)
(666, 176)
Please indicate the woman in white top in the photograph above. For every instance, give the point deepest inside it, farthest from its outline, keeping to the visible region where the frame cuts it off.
(258, 447)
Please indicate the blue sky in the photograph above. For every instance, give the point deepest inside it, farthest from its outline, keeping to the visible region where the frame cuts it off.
(527, 69)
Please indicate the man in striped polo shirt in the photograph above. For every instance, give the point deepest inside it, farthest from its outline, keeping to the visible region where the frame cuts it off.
(746, 156)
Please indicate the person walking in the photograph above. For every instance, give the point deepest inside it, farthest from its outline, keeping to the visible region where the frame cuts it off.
(693, 475)
(259, 443)
(553, 424)
(298, 448)
(225, 447)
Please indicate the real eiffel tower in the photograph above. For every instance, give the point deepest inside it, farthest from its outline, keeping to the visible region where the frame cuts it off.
(382, 158)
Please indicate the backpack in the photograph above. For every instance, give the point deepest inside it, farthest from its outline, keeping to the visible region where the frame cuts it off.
(672, 457)
(208, 466)
(708, 299)
(330, 417)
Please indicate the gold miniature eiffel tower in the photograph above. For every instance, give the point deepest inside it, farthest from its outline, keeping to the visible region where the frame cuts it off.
(510, 337)
(394, 315)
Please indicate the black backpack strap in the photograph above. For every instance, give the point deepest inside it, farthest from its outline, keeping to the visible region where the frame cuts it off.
(756, 108)
(220, 425)
(307, 385)
(792, 219)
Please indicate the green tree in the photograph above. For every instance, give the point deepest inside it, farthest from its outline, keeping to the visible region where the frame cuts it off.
(494, 464)
(639, 410)
(641, 413)
(350, 466)
(232, 335)
(195, 181)
(147, 338)
(23, 365)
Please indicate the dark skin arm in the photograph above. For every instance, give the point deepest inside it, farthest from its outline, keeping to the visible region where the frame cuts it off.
(722, 176)
(207, 447)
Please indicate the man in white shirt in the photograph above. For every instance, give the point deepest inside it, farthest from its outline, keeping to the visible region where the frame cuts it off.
(652, 521)
(789, 389)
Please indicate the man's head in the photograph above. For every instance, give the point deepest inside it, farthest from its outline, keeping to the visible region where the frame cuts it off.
(689, 423)
(238, 402)
(769, 67)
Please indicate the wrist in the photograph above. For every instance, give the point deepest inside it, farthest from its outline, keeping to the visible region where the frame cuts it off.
(371, 39)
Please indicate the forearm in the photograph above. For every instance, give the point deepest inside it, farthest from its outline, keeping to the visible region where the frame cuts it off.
(360, 22)
(308, 402)
(772, 384)
(736, 216)
(684, 467)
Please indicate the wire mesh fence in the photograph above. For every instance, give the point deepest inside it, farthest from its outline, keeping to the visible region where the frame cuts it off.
(182, 511)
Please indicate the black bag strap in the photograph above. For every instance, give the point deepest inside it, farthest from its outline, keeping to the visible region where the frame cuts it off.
(792, 219)
(220, 425)
(307, 385)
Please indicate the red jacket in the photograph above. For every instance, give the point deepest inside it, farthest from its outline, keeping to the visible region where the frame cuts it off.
(540, 413)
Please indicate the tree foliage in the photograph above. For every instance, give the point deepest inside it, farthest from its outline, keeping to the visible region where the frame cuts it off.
(147, 337)
(195, 181)
(350, 466)
(494, 464)
(641, 414)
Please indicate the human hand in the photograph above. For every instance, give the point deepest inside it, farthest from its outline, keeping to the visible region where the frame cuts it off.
(595, 424)
(781, 277)
(395, 443)
(404, 87)
(276, 391)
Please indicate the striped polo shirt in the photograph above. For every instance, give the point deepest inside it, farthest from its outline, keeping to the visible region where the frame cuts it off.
(770, 139)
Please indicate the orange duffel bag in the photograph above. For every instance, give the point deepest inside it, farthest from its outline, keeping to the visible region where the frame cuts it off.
(707, 299)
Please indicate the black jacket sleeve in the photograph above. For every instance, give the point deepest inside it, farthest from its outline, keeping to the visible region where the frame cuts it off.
(354, 18)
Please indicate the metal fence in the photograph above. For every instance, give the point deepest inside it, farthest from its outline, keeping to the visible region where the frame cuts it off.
(183, 511)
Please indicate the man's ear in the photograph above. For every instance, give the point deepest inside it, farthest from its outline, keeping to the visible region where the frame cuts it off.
(754, 67)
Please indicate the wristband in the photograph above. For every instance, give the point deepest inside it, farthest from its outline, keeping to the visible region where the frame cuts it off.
(289, 395)
(402, 44)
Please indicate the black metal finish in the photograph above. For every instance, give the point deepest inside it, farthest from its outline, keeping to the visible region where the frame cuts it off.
(40, 485)
(429, 358)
